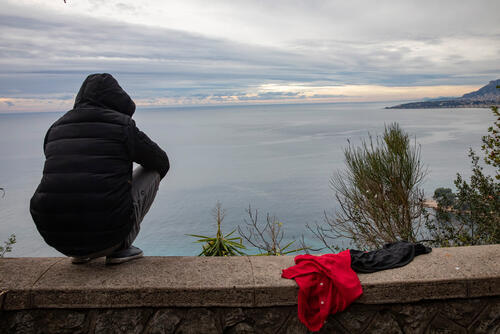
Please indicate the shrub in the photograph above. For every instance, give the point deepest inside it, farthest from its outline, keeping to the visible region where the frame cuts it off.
(379, 193)
(491, 143)
(472, 216)
(267, 237)
(7, 248)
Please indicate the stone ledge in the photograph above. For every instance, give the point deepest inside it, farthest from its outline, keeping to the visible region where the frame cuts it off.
(29, 283)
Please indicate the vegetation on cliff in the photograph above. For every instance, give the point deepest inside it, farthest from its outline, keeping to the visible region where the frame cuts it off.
(485, 97)
(471, 216)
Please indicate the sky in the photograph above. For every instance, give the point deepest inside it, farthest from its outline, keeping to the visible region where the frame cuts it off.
(197, 52)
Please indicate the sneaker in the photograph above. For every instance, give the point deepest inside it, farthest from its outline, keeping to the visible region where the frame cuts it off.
(124, 255)
(80, 260)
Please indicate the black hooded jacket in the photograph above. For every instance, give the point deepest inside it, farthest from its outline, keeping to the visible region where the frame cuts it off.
(84, 203)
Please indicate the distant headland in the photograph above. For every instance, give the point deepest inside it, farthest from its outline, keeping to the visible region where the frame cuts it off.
(485, 97)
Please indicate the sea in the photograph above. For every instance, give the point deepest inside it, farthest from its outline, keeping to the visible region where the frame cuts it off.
(278, 159)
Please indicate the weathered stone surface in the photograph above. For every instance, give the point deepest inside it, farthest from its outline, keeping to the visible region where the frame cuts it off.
(163, 281)
(199, 321)
(40, 321)
(487, 286)
(384, 323)
(126, 321)
(63, 321)
(489, 319)
(23, 271)
(294, 326)
(414, 318)
(269, 319)
(241, 328)
(412, 291)
(22, 322)
(164, 321)
(457, 272)
(231, 317)
(332, 326)
(460, 272)
(450, 290)
(355, 318)
(438, 316)
(462, 312)
(442, 325)
(267, 275)
(17, 276)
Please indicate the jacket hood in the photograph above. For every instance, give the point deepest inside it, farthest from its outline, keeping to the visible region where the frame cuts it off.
(102, 90)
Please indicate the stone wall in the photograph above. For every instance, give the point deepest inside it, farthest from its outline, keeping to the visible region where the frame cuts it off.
(451, 290)
(478, 315)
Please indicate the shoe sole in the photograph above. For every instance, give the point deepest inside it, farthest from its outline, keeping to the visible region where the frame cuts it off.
(118, 260)
(80, 260)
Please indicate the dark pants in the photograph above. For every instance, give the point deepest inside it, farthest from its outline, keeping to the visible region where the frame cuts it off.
(144, 187)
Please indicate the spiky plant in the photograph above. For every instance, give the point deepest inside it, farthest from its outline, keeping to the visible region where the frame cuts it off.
(220, 245)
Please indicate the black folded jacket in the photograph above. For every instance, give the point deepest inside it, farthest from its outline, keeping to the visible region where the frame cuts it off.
(392, 255)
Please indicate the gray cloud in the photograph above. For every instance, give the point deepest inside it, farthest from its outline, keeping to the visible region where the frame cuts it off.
(325, 96)
(48, 56)
(42, 57)
(271, 96)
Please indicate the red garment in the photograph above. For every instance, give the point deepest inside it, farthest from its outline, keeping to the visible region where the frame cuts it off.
(327, 285)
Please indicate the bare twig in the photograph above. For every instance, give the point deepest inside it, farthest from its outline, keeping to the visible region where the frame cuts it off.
(267, 237)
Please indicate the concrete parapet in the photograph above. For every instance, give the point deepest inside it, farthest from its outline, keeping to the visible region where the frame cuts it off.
(234, 283)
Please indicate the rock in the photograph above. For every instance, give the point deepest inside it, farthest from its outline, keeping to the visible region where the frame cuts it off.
(355, 318)
(384, 323)
(241, 328)
(129, 321)
(488, 321)
(198, 320)
(164, 321)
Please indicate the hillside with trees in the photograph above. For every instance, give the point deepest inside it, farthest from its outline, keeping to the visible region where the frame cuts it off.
(485, 97)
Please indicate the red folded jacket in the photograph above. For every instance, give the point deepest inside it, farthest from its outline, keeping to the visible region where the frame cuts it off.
(327, 285)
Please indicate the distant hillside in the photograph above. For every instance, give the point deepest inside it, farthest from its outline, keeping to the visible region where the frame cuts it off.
(484, 97)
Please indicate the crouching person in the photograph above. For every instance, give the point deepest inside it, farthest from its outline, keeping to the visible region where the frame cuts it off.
(89, 202)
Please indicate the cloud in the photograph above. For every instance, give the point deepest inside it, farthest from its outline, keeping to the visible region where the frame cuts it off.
(327, 96)
(236, 52)
(280, 22)
(276, 96)
(33, 105)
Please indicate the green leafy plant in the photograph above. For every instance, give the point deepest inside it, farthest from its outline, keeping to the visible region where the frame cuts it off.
(220, 245)
(379, 193)
(446, 197)
(491, 143)
(267, 237)
(472, 215)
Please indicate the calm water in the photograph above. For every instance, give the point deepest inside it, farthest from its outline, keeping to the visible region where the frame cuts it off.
(277, 158)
